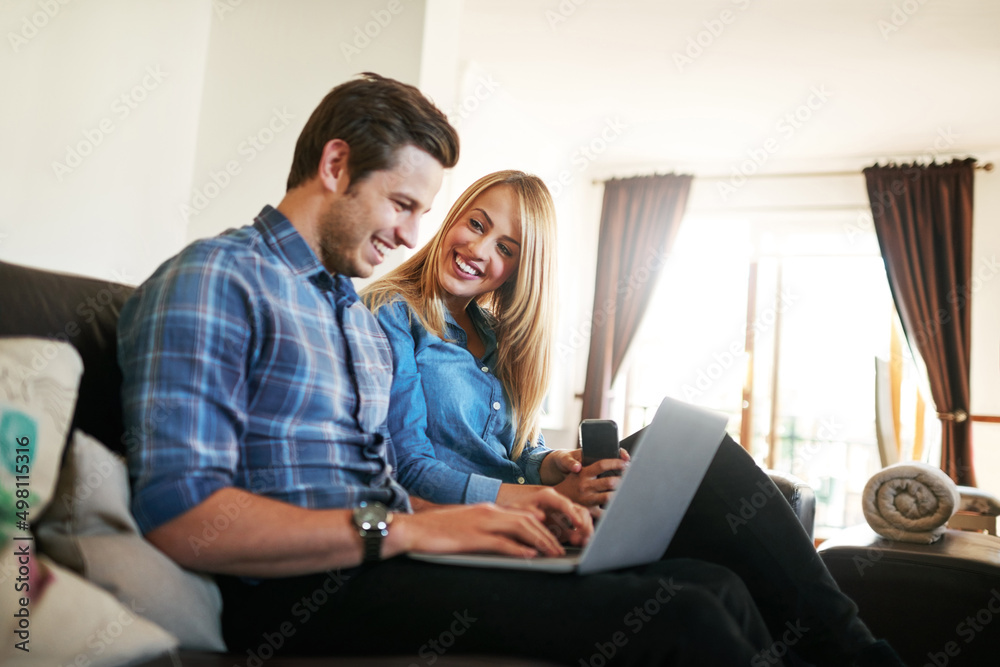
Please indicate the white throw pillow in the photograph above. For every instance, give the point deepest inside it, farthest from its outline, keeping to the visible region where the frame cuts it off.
(50, 616)
(69, 621)
(38, 384)
(88, 528)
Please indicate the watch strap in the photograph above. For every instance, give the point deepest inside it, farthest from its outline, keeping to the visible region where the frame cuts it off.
(373, 545)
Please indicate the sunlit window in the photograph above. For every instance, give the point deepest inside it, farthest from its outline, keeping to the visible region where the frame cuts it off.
(691, 342)
(796, 370)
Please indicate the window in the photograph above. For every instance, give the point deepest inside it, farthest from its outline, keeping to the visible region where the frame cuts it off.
(800, 389)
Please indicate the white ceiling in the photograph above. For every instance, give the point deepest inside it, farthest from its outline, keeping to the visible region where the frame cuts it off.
(894, 89)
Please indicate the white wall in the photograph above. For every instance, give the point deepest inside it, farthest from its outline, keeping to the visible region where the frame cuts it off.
(203, 80)
(269, 64)
(111, 91)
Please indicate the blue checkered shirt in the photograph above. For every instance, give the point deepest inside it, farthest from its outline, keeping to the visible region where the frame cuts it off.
(247, 364)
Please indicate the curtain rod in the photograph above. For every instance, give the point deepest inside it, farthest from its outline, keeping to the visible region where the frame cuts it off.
(987, 166)
(819, 208)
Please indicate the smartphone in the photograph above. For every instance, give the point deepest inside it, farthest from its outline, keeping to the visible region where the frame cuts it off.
(599, 440)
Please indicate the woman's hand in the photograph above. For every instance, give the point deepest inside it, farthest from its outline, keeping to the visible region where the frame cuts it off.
(557, 464)
(587, 489)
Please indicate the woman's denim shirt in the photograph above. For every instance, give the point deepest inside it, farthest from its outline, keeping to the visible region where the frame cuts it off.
(448, 415)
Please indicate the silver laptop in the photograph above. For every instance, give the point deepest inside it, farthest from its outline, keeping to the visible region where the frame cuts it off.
(669, 461)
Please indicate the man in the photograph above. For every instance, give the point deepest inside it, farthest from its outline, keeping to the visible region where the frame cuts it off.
(274, 380)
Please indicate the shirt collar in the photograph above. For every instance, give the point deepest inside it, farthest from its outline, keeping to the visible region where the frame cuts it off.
(285, 241)
(483, 320)
(484, 323)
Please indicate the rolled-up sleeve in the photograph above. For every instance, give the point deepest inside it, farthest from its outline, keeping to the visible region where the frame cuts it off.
(530, 461)
(183, 346)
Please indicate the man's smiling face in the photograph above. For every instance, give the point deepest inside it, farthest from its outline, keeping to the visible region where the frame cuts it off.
(379, 213)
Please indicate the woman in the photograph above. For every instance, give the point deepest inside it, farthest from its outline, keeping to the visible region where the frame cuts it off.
(469, 285)
(470, 320)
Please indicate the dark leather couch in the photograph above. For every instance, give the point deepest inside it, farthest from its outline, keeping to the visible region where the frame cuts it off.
(84, 312)
(937, 604)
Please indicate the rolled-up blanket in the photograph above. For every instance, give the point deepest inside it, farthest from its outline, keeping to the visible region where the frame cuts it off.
(910, 502)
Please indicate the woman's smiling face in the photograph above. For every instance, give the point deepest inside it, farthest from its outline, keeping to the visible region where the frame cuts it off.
(482, 249)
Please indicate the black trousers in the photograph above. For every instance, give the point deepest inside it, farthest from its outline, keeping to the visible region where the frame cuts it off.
(678, 611)
(739, 519)
(672, 612)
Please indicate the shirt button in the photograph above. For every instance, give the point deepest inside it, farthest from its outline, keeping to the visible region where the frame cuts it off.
(485, 369)
(520, 480)
(496, 405)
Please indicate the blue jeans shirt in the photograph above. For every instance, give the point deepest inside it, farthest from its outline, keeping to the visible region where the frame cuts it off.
(448, 416)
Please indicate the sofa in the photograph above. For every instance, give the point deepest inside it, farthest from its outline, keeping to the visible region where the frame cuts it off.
(83, 312)
(937, 604)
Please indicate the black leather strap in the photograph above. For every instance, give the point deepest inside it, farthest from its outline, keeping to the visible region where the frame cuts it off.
(373, 545)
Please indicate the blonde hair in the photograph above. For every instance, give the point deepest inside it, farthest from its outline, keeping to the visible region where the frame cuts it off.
(523, 307)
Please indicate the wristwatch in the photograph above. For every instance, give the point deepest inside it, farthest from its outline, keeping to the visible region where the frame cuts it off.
(372, 520)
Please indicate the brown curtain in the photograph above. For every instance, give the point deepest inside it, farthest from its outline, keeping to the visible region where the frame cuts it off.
(639, 221)
(923, 220)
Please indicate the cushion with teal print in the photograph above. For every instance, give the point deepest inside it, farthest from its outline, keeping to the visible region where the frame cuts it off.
(38, 385)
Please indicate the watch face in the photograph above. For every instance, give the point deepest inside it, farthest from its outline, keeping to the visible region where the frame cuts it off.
(371, 516)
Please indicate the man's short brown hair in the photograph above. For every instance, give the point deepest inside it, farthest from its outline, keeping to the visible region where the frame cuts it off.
(375, 116)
